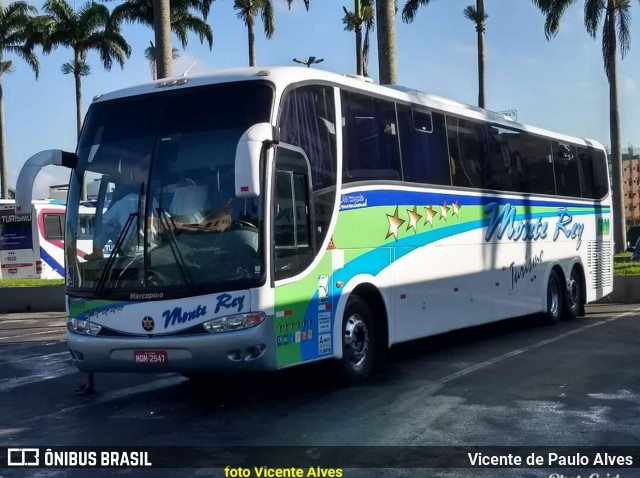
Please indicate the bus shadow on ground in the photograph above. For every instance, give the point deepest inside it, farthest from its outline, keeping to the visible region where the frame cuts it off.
(323, 377)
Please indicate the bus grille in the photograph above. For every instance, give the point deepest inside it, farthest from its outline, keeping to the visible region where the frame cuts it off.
(599, 263)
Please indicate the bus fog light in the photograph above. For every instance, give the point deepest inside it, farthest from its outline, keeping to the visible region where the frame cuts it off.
(234, 322)
(84, 327)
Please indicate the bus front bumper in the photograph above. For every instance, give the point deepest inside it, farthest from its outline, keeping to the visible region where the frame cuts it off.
(243, 350)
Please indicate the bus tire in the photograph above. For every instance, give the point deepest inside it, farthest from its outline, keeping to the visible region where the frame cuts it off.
(555, 296)
(574, 296)
(358, 342)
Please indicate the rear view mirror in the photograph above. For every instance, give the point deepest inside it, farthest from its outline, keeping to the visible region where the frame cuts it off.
(31, 168)
(248, 154)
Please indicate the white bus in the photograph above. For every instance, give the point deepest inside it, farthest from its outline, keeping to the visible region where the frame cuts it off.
(32, 245)
(274, 217)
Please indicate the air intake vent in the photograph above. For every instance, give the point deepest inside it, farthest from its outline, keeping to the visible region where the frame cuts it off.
(599, 262)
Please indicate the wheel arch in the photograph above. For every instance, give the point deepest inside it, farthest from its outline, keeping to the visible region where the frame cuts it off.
(363, 286)
(577, 264)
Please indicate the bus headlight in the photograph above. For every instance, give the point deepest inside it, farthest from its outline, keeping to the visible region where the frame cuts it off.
(234, 322)
(83, 327)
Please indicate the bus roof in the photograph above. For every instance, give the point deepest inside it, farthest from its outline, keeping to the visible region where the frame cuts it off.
(282, 76)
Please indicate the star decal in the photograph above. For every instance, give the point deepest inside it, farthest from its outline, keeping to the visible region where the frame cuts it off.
(394, 224)
(456, 207)
(414, 217)
(429, 215)
(444, 209)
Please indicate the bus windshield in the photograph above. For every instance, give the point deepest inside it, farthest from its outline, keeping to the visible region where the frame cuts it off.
(160, 169)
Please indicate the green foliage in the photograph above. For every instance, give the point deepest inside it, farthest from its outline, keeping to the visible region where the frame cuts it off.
(186, 16)
(30, 282)
(90, 28)
(17, 34)
(626, 268)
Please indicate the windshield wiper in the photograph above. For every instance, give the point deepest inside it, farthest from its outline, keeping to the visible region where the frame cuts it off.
(116, 249)
(167, 223)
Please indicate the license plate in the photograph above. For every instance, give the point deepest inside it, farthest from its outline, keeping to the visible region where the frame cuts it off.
(150, 356)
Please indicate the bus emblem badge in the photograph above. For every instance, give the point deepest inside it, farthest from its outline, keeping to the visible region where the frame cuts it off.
(148, 324)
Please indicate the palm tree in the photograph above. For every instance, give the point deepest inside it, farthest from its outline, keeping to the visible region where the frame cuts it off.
(479, 17)
(247, 11)
(363, 13)
(90, 28)
(150, 55)
(183, 16)
(386, 23)
(162, 32)
(616, 26)
(16, 21)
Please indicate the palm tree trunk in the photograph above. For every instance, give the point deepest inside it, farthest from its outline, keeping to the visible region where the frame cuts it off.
(365, 51)
(162, 28)
(4, 194)
(76, 76)
(357, 11)
(481, 55)
(359, 57)
(386, 20)
(252, 39)
(619, 227)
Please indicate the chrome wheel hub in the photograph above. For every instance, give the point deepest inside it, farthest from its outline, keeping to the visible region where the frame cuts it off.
(356, 340)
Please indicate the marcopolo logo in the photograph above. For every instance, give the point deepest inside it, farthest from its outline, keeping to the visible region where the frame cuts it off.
(23, 457)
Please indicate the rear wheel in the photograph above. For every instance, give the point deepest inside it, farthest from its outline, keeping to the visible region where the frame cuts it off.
(574, 296)
(358, 341)
(555, 295)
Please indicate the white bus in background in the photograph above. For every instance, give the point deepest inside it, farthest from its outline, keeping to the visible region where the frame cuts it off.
(32, 246)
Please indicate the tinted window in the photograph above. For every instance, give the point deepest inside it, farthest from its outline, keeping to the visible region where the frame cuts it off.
(593, 168)
(291, 218)
(534, 153)
(505, 161)
(423, 143)
(371, 150)
(565, 164)
(467, 147)
(284, 214)
(53, 226)
(307, 120)
(171, 155)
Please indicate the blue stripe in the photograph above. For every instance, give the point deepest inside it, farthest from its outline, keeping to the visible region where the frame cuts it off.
(397, 197)
(46, 257)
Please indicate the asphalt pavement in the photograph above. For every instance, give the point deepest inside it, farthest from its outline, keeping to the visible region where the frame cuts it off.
(512, 383)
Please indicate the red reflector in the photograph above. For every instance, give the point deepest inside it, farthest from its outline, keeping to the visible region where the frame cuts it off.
(244, 188)
(288, 312)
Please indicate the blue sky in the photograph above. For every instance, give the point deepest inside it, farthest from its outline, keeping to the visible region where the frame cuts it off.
(558, 84)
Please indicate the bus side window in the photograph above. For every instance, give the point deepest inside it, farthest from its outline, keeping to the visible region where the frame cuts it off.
(307, 120)
(539, 165)
(593, 177)
(468, 150)
(566, 169)
(54, 226)
(370, 139)
(292, 215)
(423, 142)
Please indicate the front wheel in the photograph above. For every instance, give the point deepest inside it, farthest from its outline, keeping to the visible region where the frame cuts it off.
(555, 295)
(574, 297)
(358, 341)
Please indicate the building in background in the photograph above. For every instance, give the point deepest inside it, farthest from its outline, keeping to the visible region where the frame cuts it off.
(631, 186)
